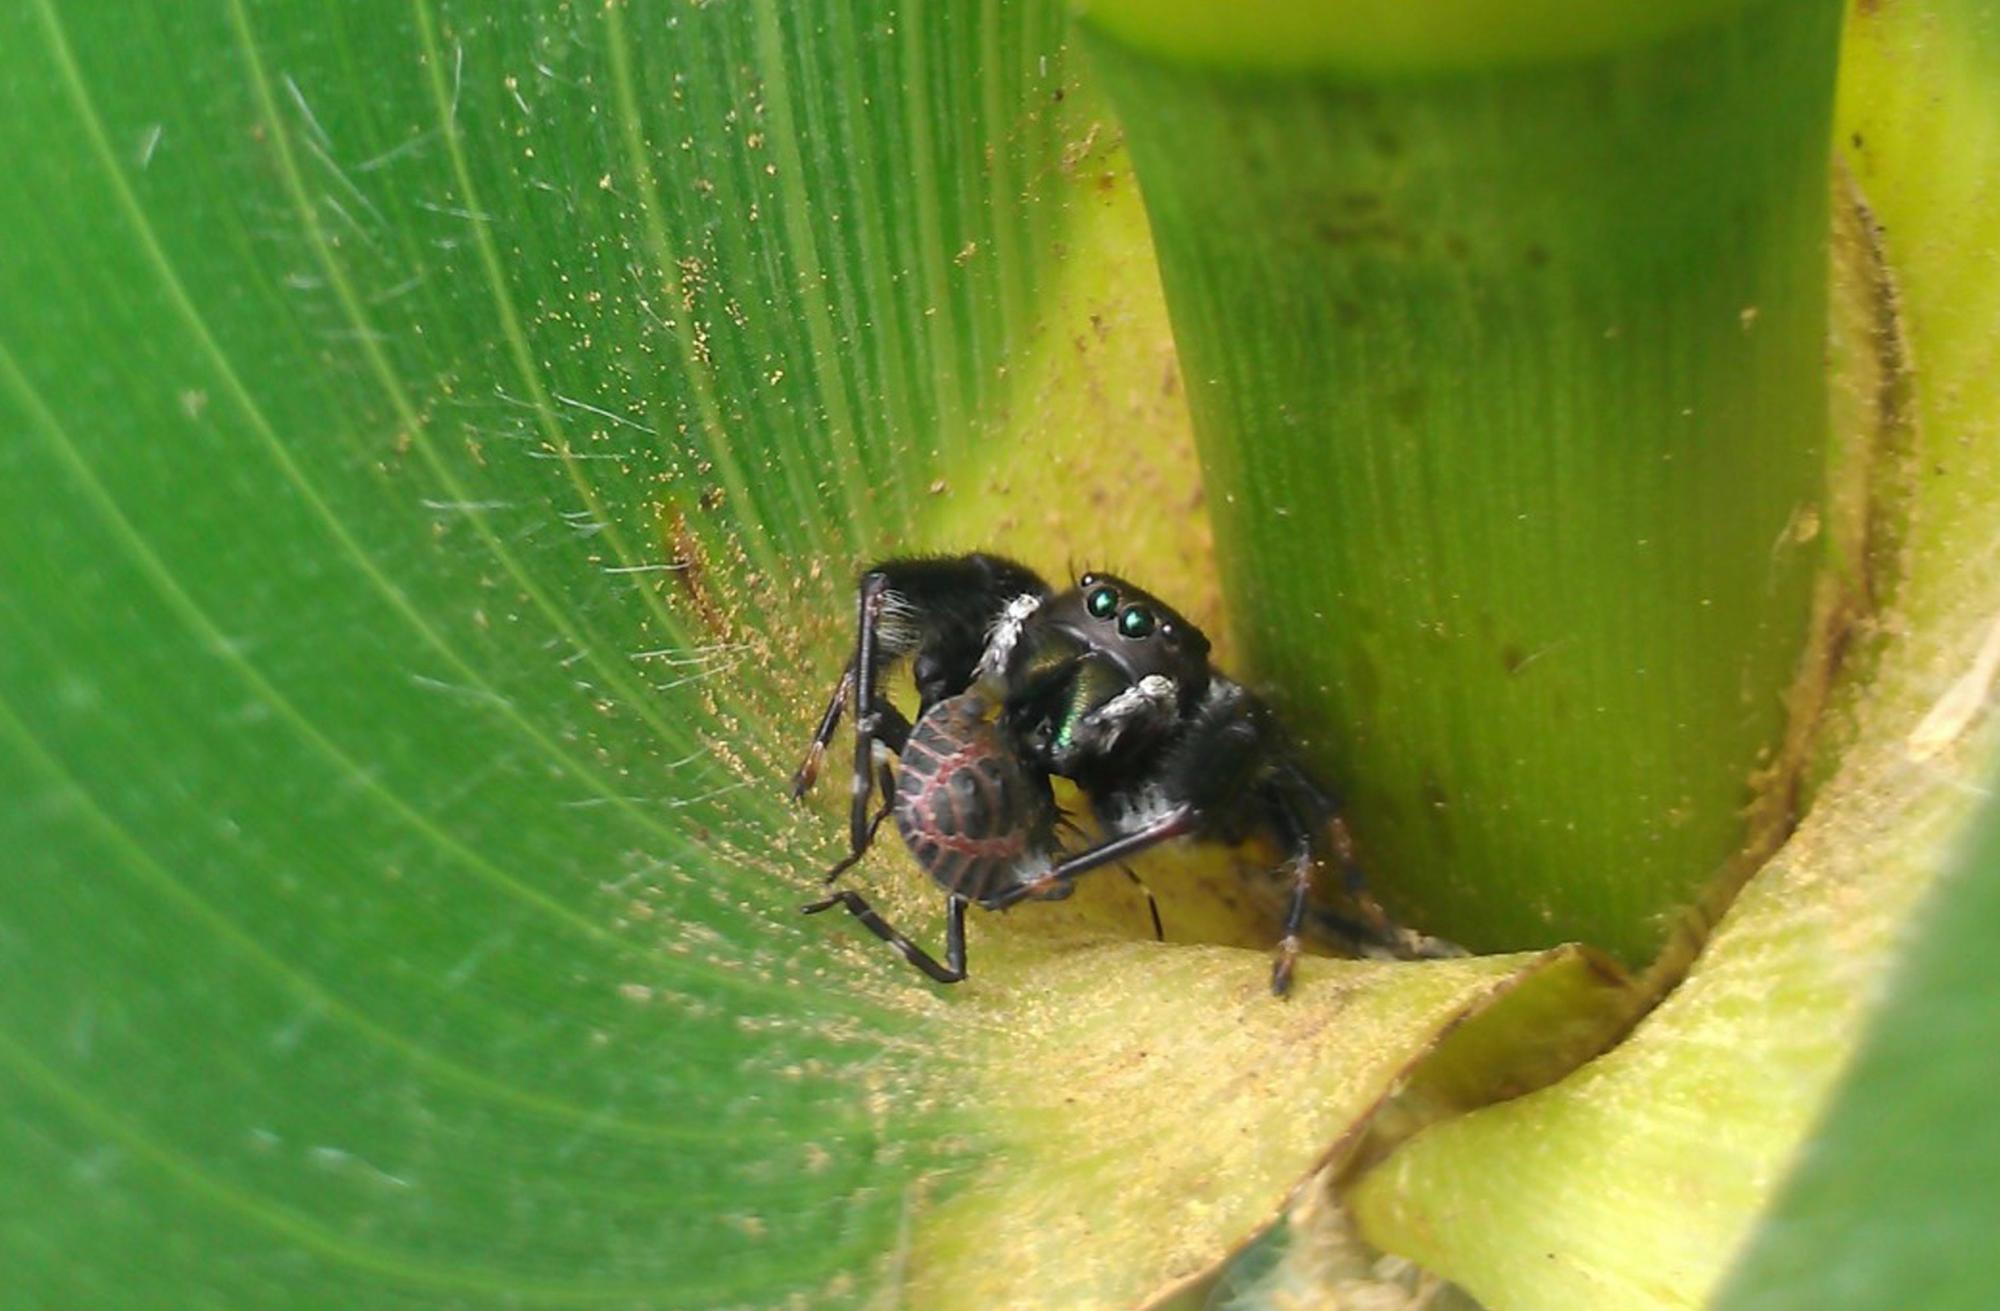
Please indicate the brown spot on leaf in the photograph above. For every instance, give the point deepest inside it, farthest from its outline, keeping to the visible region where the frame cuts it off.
(688, 568)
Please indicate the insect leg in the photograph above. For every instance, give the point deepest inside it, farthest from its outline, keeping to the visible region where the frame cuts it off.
(808, 770)
(887, 782)
(882, 725)
(1152, 905)
(954, 934)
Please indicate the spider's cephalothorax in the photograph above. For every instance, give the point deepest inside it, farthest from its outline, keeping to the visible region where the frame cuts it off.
(1102, 684)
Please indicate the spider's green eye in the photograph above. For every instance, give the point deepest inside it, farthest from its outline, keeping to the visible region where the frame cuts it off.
(1137, 621)
(1101, 602)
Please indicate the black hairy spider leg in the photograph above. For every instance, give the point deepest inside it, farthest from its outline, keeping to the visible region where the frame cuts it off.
(808, 771)
(1299, 809)
(1304, 811)
(1310, 809)
(953, 971)
(1303, 863)
(1177, 822)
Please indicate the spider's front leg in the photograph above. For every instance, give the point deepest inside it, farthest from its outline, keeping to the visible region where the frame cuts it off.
(1226, 773)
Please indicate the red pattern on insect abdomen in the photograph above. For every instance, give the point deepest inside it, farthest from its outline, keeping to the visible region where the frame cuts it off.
(963, 804)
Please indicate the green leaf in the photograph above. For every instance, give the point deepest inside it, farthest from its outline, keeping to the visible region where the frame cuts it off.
(1385, 37)
(420, 422)
(1895, 1193)
(438, 444)
(1525, 510)
(1640, 1180)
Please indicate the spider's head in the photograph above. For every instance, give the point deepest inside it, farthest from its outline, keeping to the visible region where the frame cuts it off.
(1133, 630)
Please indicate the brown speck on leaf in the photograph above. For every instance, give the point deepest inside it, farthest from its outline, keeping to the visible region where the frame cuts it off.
(688, 570)
(1077, 151)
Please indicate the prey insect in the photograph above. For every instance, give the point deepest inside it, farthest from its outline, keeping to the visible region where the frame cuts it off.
(1101, 683)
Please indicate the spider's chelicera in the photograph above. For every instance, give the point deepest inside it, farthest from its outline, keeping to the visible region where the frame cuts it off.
(1103, 684)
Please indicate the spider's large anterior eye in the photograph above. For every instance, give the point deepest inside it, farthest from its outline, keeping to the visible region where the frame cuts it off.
(1137, 621)
(1101, 602)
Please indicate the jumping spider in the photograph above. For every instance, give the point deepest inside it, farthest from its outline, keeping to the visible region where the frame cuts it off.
(1103, 684)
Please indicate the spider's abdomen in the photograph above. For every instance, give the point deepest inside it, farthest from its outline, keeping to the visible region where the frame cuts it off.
(974, 817)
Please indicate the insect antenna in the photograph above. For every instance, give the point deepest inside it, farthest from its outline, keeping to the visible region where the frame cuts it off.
(1152, 903)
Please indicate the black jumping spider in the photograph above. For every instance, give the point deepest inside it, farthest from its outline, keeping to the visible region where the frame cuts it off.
(1102, 684)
